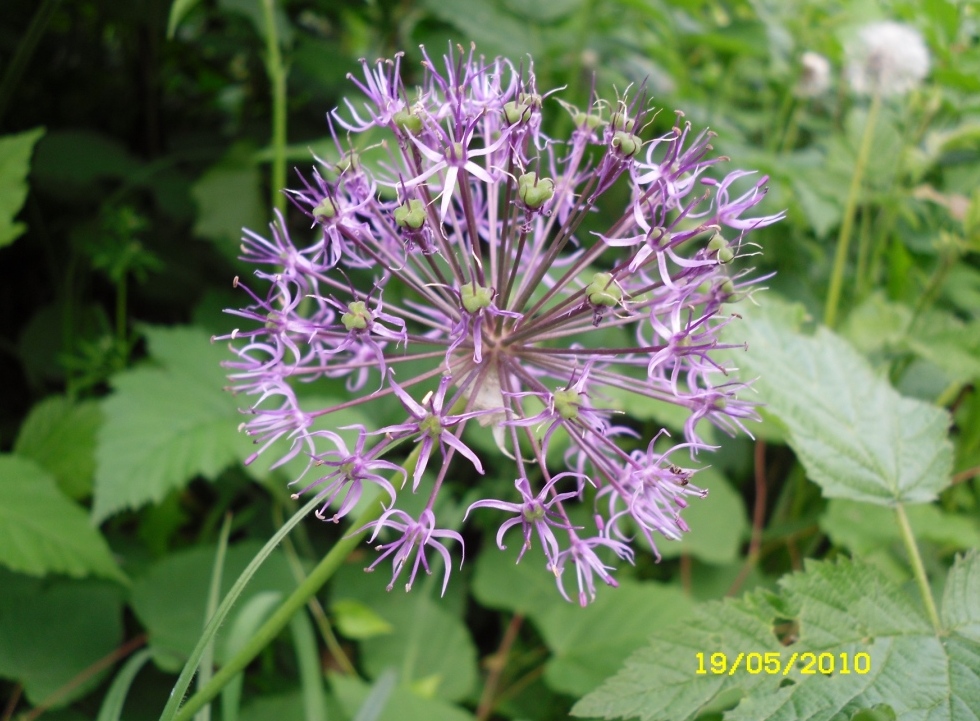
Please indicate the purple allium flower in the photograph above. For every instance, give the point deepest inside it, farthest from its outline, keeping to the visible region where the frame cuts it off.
(502, 314)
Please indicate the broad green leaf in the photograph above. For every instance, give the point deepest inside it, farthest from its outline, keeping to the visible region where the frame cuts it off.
(526, 587)
(589, 644)
(163, 426)
(864, 528)
(52, 630)
(15, 162)
(427, 644)
(855, 435)
(402, 704)
(69, 163)
(357, 620)
(486, 23)
(840, 610)
(660, 680)
(60, 436)
(42, 531)
(170, 598)
(229, 198)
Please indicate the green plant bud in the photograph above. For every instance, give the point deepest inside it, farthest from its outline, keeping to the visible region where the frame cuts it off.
(357, 317)
(350, 161)
(720, 245)
(516, 112)
(475, 297)
(621, 121)
(326, 209)
(567, 403)
(603, 290)
(535, 192)
(626, 143)
(408, 121)
(410, 214)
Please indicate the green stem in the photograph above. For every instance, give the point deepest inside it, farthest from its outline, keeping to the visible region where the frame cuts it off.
(918, 570)
(278, 620)
(277, 78)
(847, 223)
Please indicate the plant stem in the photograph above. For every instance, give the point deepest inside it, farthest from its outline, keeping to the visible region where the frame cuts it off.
(847, 222)
(277, 78)
(918, 570)
(278, 620)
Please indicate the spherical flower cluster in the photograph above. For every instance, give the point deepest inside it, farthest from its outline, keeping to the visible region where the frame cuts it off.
(456, 281)
(887, 57)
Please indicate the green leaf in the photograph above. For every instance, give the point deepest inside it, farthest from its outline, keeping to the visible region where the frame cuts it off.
(170, 598)
(163, 426)
(178, 10)
(15, 162)
(855, 435)
(864, 528)
(402, 704)
(840, 610)
(659, 681)
(70, 163)
(590, 643)
(492, 28)
(357, 620)
(60, 436)
(526, 587)
(53, 630)
(42, 532)
(428, 643)
(115, 698)
(229, 198)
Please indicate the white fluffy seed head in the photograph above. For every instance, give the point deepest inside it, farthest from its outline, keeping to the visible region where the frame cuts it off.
(887, 57)
(814, 75)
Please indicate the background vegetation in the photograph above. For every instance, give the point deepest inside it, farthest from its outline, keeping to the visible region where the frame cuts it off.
(132, 154)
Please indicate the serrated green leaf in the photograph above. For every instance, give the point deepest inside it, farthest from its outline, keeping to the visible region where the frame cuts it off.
(53, 630)
(841, 610)
(60, 436)
(855, 435)
(43, 532)
(163, 426)
(660, 681)
(589, 644)
(15, 162)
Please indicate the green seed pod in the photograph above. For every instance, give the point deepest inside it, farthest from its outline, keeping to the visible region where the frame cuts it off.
(410, 214)
(535, 192)
(408, 121)
(719, 245)
(475, 297)
(621, 121)
(326, 209)
(516, 112)
(626, 143)
(350, 161)
(357, 317)
(604, 291)
(567, 403)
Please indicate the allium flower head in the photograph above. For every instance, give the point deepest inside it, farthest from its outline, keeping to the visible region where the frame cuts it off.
(457, 286)
(887, 57)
